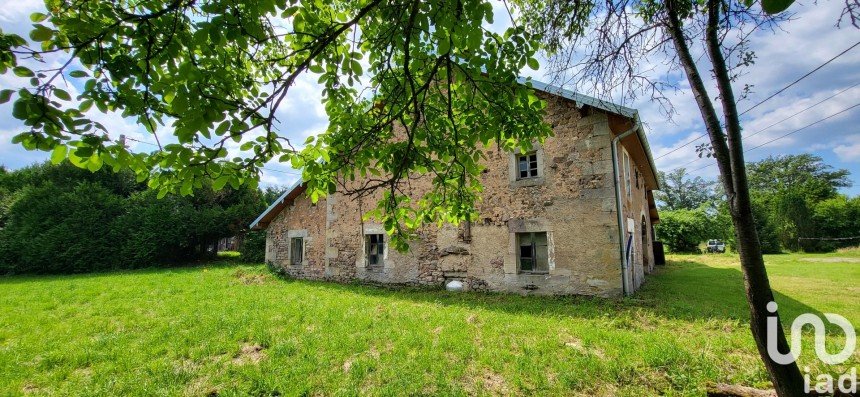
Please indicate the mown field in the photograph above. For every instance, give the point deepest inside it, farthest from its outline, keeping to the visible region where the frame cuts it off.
(228, 329)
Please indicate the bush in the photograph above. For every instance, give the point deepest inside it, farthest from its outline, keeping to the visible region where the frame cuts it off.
(254, 247)
(50, 230)
(683, 230)
(61, 219)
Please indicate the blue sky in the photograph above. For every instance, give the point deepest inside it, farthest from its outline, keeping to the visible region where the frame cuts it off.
(782, 56)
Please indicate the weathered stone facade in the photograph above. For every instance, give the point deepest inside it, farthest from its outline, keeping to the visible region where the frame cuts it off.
(573, 200)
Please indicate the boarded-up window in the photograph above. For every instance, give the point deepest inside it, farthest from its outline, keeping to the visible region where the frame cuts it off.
(533, 252)
(527, 166)
(297, 246)
(375, 249)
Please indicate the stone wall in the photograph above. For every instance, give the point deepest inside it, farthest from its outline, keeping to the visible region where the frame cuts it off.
(635, 213)
(573, 201)
(302, 219)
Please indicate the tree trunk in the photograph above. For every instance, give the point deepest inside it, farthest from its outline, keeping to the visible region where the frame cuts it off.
(728, 150)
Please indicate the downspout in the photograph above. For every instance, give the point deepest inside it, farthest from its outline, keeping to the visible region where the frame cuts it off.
(621, 250)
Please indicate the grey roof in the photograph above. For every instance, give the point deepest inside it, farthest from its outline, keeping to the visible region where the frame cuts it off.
(580, 99)
(277, 203)
(583, 100)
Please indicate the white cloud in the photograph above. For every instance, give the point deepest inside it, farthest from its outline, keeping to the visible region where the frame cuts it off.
(849, 152)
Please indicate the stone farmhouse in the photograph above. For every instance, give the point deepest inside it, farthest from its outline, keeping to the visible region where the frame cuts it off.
(574, 216)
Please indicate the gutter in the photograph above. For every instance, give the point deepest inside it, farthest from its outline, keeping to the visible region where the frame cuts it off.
(625, 286)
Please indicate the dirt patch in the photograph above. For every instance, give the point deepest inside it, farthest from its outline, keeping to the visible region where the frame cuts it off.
(481, 381)
(250, 278)
(576, 344)
(833, 259)
(724, 390)
(201, 387)
(30, 388)
(249, 354)
(487, 382)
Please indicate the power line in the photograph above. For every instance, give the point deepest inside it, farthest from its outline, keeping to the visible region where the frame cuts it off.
(790, 133)
(804, 127)
(781, 121)
(682, 146)
(139, 141)
(804, 110)
(801, 78)
(768, 98)
(262, 168)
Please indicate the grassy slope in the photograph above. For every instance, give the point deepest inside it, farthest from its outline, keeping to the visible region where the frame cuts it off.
(193, 331)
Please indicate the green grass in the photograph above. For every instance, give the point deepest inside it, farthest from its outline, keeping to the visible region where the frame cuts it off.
(236, 330)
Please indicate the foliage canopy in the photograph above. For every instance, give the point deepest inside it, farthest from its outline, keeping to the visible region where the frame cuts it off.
(409, 87)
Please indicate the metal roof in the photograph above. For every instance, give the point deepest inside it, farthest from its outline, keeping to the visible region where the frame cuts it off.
(583, 100)
(278, 204)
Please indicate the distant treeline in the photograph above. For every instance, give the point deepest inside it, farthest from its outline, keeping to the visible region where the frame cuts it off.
(796, 204)
(63, 219)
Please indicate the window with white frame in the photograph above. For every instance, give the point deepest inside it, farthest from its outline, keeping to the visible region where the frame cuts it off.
(527, 165)
(533, 252)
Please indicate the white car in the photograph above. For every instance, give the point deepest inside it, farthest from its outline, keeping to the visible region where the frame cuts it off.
(715, 246)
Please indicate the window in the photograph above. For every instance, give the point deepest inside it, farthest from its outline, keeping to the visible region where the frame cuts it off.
(532, 252)
(627, 176)
(296, 250)
(375, 249)
(527, 165)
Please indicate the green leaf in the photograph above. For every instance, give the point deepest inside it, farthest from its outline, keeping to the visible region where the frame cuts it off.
(95, 163)
(444, 46)
(21, 71)
(5, 95)
(187, 185)
(220, 182)
(62, 94)
(78, 73)
(38, 17)
(59, 154)
(775, 6)
(533, 64)
(85, 105)
(41, 33)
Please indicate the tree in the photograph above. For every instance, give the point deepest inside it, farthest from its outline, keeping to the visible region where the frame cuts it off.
(806, 174)
(605, 46)
(679, 191)
(838, 224)
(683, 230)
(789, 188)
(410, 87)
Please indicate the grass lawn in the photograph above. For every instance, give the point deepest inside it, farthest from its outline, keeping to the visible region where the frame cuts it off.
(236, 330)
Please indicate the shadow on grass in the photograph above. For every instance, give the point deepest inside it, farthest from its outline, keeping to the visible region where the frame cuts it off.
(188, 267)
(683, 289)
